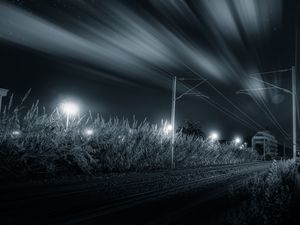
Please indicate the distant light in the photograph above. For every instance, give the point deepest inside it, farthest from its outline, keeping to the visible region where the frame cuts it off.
(168, 128)
(237, 140)
(88, 132)
(69, 108)
(244, 146)
(121, 137)
(214, 136)
(16, 133)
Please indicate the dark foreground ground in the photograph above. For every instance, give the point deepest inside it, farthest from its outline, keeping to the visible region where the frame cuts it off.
(295, 206)
(194, 196)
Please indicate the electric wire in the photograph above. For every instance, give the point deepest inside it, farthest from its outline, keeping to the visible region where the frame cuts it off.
(228, 100)
(227, 112)
(270, 116)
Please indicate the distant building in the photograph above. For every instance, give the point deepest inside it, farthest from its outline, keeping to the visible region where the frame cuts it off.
(265, 144)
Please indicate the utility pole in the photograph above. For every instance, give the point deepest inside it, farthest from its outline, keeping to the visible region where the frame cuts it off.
(173, 120)
(293, 93)
(264, 149)
(3, 93)
(284, 150)
(190, 91)
(294, 112)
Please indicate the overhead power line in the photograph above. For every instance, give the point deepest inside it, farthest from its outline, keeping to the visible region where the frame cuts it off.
(227, 99)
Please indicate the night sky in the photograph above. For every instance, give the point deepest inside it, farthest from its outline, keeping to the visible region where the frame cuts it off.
(117, 58)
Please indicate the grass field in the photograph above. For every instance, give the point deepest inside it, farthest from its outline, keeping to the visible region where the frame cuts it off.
(34, 143)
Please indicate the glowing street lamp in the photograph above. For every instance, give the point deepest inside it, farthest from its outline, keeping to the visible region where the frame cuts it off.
(214, 136)
(70, 109)
(88, 132)
(168, 128)
(16, 133)
(237, 140)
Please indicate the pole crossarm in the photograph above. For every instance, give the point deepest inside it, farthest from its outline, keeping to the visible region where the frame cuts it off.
(188, 92)
(246, 91)
(185, 78)
(195, 94)
(273, 86)
(271, 72)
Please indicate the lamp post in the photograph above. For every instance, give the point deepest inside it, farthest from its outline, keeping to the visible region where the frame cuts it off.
(3, 93)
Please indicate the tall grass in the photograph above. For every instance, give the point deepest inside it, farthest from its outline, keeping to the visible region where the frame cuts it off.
(268, 196)
(33, 142)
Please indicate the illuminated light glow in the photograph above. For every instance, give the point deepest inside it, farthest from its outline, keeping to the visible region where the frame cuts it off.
(168, 128)
(70, 108)
(88, 132)
(214, 136)
(244, 146)
(16, 133)
(121, 137)
(237, 140)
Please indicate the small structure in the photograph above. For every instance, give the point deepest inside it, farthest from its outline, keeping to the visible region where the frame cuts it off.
(3, 93)
(265, 144)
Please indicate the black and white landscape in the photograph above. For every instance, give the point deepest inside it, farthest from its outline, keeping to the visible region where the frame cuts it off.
(174, 112)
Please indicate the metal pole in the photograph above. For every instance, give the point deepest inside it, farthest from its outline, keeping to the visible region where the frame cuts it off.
(3, 93)
(173, 121)
(294, 111)
(294, 74)
(284, 151)
(264, 149)
(0, 102)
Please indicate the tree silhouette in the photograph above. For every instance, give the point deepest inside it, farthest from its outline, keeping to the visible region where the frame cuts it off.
(192, 129)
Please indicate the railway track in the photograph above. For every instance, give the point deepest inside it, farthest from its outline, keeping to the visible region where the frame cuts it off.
(184, 211)
(138, 179)
(134, 200)
(147, 188)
